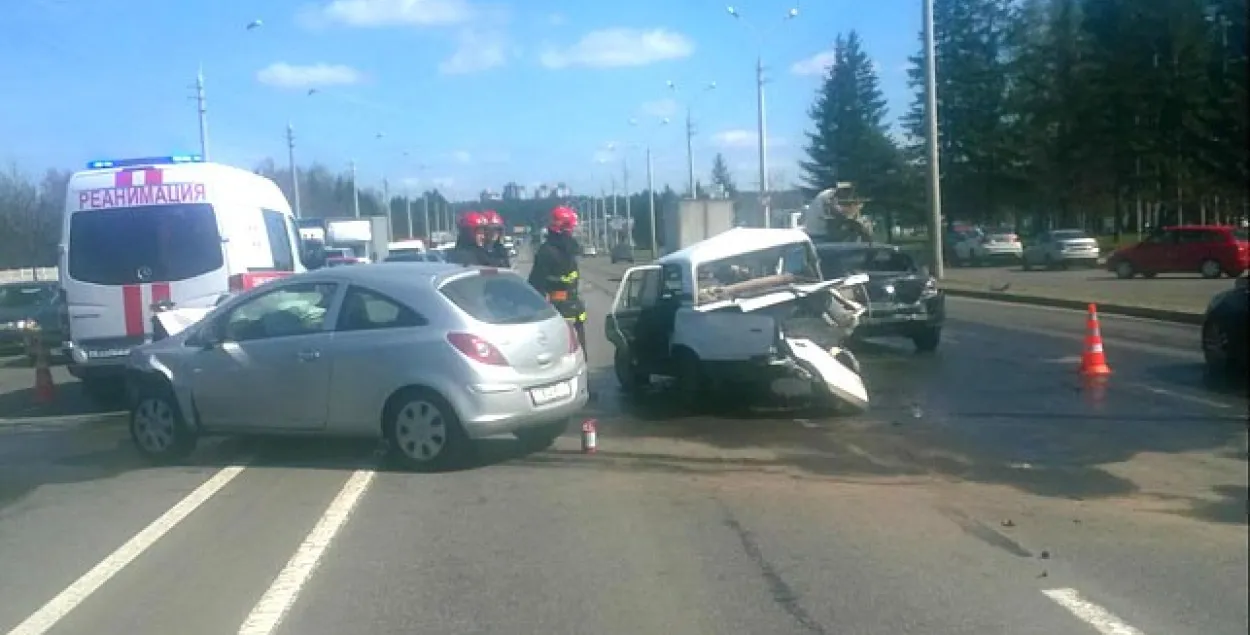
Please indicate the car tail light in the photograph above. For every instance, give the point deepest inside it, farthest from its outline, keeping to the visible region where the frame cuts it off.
(574, 343)
(477, 349)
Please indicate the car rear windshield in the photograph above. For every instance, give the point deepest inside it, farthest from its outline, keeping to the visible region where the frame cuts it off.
(132, 245)
(1070, 234)
(498, 299)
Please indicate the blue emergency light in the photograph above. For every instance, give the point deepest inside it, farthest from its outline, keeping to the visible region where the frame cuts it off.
(125, 163)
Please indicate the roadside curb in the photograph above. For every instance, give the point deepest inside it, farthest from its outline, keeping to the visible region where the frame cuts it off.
(1148, 313)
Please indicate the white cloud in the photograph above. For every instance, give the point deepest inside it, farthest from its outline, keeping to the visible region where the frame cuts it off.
(817, 64)
(284, 75)
(660, 108)
(620, 47)
(476, 52)
(462, 156)
(382, 13)
(737, 139)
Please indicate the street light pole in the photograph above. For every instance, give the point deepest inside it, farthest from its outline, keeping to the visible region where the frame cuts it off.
(202, 106)
(655, 250)
(355, 192)
(629, 215)
(290, 148)
(690, 136)
(762, 133)
(931, 141)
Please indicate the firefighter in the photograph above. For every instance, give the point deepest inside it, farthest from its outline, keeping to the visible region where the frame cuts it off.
(494, 240)
(555, 273)
(470, 249)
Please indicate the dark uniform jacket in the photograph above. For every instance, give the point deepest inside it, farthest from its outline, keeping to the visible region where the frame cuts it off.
(556, 276)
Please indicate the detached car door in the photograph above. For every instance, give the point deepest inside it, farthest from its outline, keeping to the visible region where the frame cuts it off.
(264, 364)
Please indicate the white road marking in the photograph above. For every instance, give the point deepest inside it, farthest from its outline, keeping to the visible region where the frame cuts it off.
(274, 604)
(58, 607)
(1182, 396)
(1101, 619)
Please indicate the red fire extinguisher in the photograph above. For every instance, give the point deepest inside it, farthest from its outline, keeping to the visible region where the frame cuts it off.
(590, 435)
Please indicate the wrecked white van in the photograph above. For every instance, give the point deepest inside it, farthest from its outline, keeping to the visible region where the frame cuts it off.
(740, 311)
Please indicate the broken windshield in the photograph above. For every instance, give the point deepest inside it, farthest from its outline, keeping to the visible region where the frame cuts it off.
(754, 273)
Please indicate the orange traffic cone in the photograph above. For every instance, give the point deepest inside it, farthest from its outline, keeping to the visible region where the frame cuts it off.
(45, 390)
(1093, 359)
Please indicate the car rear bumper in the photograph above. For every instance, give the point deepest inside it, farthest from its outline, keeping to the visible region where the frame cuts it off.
(492, 409)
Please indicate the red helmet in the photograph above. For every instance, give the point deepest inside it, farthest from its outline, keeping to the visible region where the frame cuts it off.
(470, 221)
(563, 220)
(493, 218)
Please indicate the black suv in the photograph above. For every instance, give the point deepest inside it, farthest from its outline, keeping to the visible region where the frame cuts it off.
(902, 298)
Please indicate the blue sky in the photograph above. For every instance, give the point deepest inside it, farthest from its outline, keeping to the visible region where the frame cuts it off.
(462, 93)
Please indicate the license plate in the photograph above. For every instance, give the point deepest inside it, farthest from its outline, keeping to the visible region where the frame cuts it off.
(111, 352)
(548, 394)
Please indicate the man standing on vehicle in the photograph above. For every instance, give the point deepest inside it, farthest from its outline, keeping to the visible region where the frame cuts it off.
(494, 240)
(470, 249)
(555, 273)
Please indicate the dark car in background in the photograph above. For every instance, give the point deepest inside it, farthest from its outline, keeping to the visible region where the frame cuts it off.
(27, 307)
(902, 298)
(1224, 329)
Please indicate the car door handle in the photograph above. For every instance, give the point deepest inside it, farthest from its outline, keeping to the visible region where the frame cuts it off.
(309, 355)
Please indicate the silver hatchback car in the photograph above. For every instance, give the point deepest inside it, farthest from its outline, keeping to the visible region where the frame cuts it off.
(428, 356)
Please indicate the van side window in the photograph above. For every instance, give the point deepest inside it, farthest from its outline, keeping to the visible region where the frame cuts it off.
(279, 240)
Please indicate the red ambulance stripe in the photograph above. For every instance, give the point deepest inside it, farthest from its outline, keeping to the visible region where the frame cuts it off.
(160, 292)
(125, 178)
(153, 177)
(132, 308)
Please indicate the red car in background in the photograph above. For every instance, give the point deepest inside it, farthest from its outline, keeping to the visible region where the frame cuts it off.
(1209, 250)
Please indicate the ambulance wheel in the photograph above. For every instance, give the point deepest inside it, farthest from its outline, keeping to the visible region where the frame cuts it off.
(423, 432)
(157, 427)
(628, 374)
(541, 437)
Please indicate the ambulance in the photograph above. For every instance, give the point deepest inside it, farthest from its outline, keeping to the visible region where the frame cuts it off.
(142, 232)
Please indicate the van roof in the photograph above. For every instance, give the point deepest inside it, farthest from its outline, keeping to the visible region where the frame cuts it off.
(734, 242)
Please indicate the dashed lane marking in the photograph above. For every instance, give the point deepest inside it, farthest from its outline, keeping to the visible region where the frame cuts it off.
(1102, 620)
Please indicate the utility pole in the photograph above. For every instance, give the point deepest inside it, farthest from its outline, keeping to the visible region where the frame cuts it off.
(412, 231)
(765, 204)
(355, 192)
(629, 215)
(425, 216)
(386, 198)
(931, 142)
(655, 248)
(689, 154)
(202, 107)
(290, 149)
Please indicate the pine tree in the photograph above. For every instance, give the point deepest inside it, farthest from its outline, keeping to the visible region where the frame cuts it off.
(978, 156)
(721, 175)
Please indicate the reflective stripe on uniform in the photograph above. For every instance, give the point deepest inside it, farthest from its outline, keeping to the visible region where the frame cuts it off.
(569, 278)
(578, 318)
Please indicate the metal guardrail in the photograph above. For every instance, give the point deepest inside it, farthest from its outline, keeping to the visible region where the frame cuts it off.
(28, 274)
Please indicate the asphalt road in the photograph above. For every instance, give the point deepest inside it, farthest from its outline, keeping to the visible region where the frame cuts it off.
(1174, 292)
(984, 493)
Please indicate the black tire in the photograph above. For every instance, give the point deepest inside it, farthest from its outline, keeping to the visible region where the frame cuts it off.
(157, 426)
(423, 433)
(927, 339)
(540, 438)
(1124, 270)
(1210, 269)
(1215, 348)
(628, 374)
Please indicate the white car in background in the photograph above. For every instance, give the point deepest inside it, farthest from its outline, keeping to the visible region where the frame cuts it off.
(989, 248)
(1061, 248)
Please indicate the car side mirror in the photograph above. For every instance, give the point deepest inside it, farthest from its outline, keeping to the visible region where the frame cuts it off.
(313, 257)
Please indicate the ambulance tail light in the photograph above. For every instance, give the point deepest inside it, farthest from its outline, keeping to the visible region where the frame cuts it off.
(125, 163)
